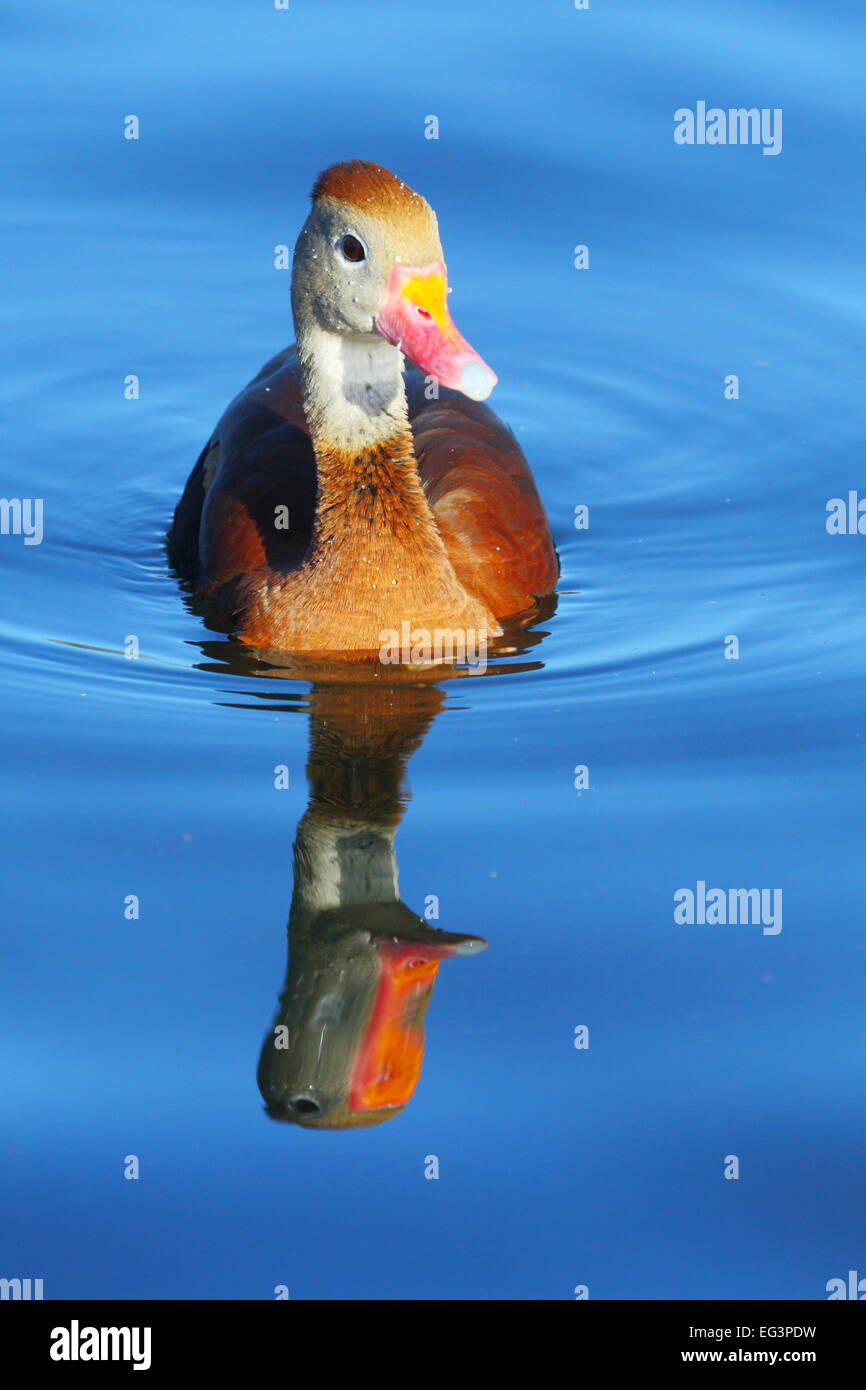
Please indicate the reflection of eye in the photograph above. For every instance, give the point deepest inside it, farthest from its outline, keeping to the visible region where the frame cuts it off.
(351, 248)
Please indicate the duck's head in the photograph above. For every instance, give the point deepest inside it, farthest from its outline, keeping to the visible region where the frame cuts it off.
(369, 265)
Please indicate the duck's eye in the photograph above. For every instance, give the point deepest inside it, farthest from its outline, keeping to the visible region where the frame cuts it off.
(351, 248)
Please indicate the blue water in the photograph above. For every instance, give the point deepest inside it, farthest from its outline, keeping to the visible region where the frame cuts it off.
(558, 1166)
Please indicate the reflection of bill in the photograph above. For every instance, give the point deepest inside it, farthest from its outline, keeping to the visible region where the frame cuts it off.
(389, 1060)
(347, 1045)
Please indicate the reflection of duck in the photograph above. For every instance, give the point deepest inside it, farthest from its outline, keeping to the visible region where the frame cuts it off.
(347, 1044)
(335, 500)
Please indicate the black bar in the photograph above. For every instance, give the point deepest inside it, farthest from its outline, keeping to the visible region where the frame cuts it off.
(223, 1337)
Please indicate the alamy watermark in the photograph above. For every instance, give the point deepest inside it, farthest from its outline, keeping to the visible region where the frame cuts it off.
(738, 125)
(852, 1287)
(77, 1343)
(846, 516)
(23, 1289)
(729, 906)
(422, 646)
(22, 516)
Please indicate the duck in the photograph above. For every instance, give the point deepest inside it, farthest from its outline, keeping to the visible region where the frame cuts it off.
(359, 482)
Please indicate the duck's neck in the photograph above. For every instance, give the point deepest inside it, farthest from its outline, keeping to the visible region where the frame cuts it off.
(342, 864)
(367, 474)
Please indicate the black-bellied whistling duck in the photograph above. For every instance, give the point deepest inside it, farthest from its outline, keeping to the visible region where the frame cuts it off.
(336, 500)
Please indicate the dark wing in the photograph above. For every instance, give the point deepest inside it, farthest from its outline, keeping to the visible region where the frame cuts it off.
(250, 500)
